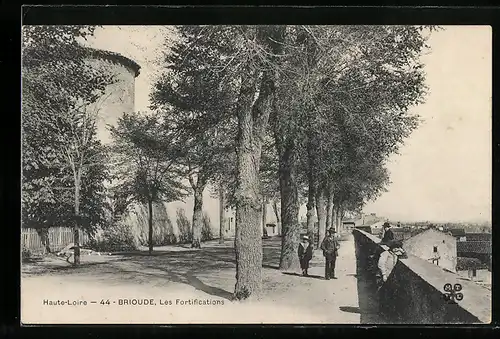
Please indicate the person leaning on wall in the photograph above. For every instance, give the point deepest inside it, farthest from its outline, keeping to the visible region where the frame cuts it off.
(392, 251)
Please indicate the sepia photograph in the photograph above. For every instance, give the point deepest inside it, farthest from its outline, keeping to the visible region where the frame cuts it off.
(256, 174)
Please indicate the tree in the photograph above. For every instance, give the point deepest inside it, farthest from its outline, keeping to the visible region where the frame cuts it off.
(201, 159)
(269, 179)
(60, 150)
(355, 79)
(239, 61)
(146, 169)
(222, 217)
(309, 87)
(188, 96)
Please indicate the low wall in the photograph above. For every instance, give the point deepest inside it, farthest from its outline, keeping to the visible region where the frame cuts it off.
(366, 229)
(413, 292)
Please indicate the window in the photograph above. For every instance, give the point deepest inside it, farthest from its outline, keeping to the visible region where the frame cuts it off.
(474, 273)
(435, 249)
(443, 241)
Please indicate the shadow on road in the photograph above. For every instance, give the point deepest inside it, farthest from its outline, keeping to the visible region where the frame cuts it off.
(350, 309)
(302, 276)
(62, 267)
(272, 267)
(193, 267)
(200, 285)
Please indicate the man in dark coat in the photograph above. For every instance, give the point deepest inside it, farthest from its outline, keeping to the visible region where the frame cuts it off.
(388, 234)
(305, 254)
(330, 247)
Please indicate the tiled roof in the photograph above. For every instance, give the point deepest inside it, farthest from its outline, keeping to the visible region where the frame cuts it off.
(410, 232)
(469, 264)
(480, 247)
(457, 232)
(478, 236)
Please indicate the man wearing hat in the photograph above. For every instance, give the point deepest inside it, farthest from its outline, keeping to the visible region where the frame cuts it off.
(305, 254)
(330, 248)
(388, 234)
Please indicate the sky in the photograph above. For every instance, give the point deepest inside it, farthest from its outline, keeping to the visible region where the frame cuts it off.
(443, 171)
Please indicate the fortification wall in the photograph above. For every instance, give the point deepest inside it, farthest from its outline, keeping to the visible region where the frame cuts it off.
(414, 291)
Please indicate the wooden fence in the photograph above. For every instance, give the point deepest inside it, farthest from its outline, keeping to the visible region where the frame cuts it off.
(59, 237)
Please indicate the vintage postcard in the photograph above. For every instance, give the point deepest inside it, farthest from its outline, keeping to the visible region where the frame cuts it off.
(256, 174)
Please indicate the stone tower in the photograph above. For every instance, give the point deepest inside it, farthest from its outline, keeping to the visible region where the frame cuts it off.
(119, 96)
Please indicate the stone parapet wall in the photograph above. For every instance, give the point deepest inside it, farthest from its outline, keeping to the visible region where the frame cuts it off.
(414, 291)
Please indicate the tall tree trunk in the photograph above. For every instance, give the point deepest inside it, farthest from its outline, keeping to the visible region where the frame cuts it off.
(278, 217)
(222, 204)
(76, 229)
(264, 215)
(150, 226)
(342, 217)
(43, 233)
(248, 241)
(310, 203)
(338, 218)
(197, 215)
(252, 124)
(329, 209)
(334, 217)
(321, 212)
(289, 207)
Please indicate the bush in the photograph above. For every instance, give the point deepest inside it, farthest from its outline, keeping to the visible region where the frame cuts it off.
(25, 253)
(206, 231)
(117, 237)
(184, 226)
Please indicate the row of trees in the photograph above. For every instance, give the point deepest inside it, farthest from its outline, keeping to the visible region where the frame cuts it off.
(259, 113)
(310, 111)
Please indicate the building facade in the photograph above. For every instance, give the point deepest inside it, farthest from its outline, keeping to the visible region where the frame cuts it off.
(434, 246)
(272, 226)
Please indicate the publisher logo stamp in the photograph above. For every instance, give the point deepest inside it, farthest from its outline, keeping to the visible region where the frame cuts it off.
(452, 293)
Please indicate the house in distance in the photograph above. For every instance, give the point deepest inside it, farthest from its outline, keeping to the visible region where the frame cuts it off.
(437, 247)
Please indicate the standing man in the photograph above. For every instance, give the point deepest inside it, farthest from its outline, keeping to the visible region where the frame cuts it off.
(330, 248)
(388, 234)
(305, 254)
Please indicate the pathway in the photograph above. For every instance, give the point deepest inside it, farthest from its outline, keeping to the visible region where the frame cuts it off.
(206, 274)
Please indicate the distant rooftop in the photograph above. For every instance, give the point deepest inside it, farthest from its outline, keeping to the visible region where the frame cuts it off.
(478, 236)
(479, 247)
(464, 263)
(457, 232)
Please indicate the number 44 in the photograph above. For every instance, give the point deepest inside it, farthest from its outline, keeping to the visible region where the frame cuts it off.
(105, 302)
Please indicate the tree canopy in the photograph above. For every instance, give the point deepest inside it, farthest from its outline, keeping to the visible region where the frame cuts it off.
(57, 88)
